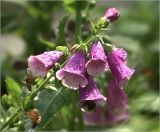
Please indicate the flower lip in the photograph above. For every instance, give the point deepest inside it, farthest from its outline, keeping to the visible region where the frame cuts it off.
(72, 74)
(89, 96)
(97, 62)
(88, 105)
(70, 79)
(36, 67)
(95, 66)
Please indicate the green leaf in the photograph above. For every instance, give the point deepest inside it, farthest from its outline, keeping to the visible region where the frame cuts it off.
(3, 115)
(147, 102)
(6, 100)
(50, 45)
(14, 90)
(50, 102)
(69, 5)
(61, 31)
(64, 49)
(134, 28)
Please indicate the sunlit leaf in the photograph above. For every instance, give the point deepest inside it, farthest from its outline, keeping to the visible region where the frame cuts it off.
(14, 90)
(69, 5)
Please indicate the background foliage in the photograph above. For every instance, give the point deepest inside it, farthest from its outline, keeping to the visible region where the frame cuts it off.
(31, 27)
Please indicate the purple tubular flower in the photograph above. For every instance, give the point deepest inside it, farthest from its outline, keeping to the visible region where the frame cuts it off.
(117, 104)
(95, 118)
(39, 65)
(89, 96)
(72, 75)
(117, 64)
(112, 14)
(97, 63)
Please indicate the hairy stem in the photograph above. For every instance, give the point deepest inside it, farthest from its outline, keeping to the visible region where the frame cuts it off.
(40, 87)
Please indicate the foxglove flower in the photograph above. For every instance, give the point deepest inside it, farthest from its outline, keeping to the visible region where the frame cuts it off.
(97, 63)
(95, 118)
(39, 65)
(117, 64)
(89, 96)
(72, 75)
(117, 104)
(112, 14)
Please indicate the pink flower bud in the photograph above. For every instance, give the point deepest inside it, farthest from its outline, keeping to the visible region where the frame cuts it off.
(112, 14)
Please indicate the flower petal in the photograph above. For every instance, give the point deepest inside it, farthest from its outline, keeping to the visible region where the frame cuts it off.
(119, 69)
(117, 104)
(72, 75)
(89, 95)
(97, 63)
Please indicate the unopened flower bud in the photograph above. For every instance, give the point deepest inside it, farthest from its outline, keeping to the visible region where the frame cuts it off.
(112, 14)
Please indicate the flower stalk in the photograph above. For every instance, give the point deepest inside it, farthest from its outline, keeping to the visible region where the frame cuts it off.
(34, 93)
(75, 73)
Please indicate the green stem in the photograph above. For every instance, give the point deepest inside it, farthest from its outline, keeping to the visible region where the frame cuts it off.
(10, 119)
(89, 39)
(109, 45)
(31, 97)
(78, 25)
(40, 87)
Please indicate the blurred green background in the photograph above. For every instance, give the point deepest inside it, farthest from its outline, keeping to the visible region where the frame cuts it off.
(32, 27)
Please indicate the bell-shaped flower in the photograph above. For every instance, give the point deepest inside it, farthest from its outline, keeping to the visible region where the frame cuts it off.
(95, 118)
(97, 63)
(117, 104)
(112, 14)
(89, 96)
(117, 64)
(72, 75)
(39, 65)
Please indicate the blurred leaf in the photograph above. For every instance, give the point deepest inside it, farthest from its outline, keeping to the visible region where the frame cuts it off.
(34, 12)
(6, 19)
(127, 43)
(50, 45)
(134, 28)
(3, 115)
(50, 102)
(22, 3)
(79, 6)
(69, 5)
(61, 31)
(147, 102)
(14, 90)
(6, 100)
